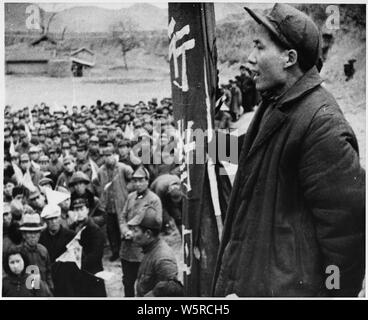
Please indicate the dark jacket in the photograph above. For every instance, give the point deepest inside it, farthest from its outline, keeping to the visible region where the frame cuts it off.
(56, 244)
(55, 170)
(158, 264)
(39, 257)
(92, 241)
(16, 287)
(129, 250)
(118, 189)
(160, 186)
(298, 201)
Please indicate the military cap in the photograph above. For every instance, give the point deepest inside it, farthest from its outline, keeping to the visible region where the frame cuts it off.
(44, 181)
(24, 157)
(82, 130)
(124, 143)
(79, 202)
(141, 172)
(78, 177)
(44, 158)
(294, 29)
(82, 147)
(64, 130)
(147, 218)
(108, 150)
(94, 139)
(34, 149)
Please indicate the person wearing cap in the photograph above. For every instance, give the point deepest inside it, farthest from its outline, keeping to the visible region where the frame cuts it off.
(94, 151)
(36, 200)
(126, 155)
(83, 135)
(56, 165)
(67, 216)
(83, 164)
(26, 166)
(55, 237)
(73, 148)
(298, 202)
(68, 171)
(130, 252)
(36, 253)
(44, 164)
(34, 154)
(65, 148)
(168, 188)
(159, 262)
(45, 183)
(114, 183)
(92, 239)
(79, 184)
(236, 100)
(23, 145)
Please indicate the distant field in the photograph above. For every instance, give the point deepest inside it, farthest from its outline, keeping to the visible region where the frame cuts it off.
(27, 91)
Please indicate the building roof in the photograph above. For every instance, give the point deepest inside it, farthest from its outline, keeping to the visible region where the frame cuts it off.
(83, 62)
(73, 53)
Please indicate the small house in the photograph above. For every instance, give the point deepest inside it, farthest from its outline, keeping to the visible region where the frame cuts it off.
(82, 58)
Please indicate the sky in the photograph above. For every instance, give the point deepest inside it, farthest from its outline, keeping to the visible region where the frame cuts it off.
(117, 5)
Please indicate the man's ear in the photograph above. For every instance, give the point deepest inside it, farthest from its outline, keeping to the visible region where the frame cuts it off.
(291, 58)
(148, 233)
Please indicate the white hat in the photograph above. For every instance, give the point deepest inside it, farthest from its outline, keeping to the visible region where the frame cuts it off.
(31, 222)
(51, 211)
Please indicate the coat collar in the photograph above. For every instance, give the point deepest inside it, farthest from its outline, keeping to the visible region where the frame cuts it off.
(278, 116)
(310, 80)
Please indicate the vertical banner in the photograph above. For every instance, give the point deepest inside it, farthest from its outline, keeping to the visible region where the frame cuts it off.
(192, 54)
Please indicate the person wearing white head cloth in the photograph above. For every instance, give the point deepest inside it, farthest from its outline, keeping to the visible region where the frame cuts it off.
(55, 237)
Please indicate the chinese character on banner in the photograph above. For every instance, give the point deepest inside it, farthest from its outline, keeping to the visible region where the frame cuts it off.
(192, 55)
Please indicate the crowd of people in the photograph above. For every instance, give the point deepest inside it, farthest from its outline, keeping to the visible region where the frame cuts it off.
(85, 175)
(237, 97)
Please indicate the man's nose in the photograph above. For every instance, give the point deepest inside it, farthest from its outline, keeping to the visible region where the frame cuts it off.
(252, 58)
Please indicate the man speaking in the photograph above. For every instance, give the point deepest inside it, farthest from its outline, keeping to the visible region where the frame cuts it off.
(296, 217)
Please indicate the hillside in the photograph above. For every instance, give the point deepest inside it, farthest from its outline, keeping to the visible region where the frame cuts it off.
(88, 18)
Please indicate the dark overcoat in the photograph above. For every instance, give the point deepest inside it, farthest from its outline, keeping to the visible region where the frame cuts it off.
(298, 202)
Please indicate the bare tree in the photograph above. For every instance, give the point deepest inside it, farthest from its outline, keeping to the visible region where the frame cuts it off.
(124, 33)
(45, 36)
